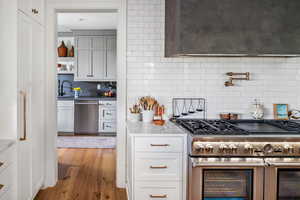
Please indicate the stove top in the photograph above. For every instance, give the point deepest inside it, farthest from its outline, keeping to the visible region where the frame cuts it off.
(239, 127)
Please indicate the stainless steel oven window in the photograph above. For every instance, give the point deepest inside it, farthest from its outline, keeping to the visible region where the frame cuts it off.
(227, 184)
(288, 184)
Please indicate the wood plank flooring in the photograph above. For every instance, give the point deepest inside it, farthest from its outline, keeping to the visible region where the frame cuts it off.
(85, 174)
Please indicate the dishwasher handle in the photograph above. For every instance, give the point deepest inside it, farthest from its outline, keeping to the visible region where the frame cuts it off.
(76, 103)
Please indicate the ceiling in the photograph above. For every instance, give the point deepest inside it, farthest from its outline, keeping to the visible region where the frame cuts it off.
(68, 21)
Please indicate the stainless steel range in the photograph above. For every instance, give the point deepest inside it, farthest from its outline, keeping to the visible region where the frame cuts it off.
(243, 159)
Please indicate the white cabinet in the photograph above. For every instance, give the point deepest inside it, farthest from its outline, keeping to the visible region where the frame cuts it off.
(65, 116)
(107, 116)
(157, 166)
(95, 58)
(24, 106)
(37, 108)
(31, 120)
(33, 8)
(8, 171)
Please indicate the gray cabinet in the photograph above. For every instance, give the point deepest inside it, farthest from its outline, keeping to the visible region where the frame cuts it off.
(95, 58)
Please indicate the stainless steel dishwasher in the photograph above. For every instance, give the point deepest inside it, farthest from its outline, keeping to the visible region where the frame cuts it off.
(86, 116)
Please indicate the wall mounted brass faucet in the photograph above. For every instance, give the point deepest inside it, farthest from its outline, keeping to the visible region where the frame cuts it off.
(242, 76)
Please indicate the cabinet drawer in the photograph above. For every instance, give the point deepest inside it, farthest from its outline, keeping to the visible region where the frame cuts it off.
(158, 191)
(65, 103)
(159, 144)
(8, 195)
(107, 126)
(108, 103)
(6, 159)
(6, 180)
(107, 114)
(153, 166)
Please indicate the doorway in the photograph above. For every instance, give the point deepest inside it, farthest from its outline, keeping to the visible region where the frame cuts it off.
(87, 79)
(63, 6)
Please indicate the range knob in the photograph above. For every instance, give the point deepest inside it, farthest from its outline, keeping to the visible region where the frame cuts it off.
(249, 148)
(268, 148)
(233, 148)
(209, 148)
(223, 148)
(198, 146)
(288, 149)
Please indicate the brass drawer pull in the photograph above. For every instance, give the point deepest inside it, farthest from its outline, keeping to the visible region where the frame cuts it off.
(1, 186)
(23, 95)
(158, 196)
(159, 145)
(159, 167)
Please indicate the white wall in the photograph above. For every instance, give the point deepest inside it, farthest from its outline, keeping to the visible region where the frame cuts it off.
(273, 80)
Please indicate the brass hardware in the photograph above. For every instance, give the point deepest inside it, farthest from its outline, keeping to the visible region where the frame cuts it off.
(158, 196)
(1, 186)
(245, 76)
(34, 11)
(23, 94)
(159, 167)
(159, 145)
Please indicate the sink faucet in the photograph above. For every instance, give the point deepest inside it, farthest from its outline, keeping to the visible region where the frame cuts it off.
(62, 93)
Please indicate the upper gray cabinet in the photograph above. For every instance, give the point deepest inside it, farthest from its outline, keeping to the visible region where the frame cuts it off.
(95, 57)
(232, 28)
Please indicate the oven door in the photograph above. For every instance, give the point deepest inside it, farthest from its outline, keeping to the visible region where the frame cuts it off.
(282, 179)
(226, 178)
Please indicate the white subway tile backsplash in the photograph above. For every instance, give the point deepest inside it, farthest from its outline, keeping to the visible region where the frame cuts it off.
(273, 80)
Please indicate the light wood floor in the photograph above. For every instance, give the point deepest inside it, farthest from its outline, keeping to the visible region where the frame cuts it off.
(85, 174)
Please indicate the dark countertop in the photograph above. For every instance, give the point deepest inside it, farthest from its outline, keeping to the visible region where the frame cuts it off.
(87, 98)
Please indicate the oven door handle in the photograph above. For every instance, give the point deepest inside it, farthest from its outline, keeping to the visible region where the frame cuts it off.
(286, 162)
(220, 162)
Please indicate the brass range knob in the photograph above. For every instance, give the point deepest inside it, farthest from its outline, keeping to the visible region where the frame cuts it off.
(209, 148)
(233, 148)
(223, 148)
(198, 146)
(249, 149)
(289, 149)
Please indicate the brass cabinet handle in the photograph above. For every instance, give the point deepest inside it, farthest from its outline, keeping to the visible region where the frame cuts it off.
(159, 145)
(158, 196)
(23, 95)
(1, 186)
(159, 167)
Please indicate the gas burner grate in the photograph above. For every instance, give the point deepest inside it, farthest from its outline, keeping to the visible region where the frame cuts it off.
(210, 127)
(285, 124)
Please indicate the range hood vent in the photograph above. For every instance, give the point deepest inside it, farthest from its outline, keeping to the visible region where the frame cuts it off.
(221, 28)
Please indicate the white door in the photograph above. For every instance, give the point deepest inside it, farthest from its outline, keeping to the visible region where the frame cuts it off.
(24, 107)
(37, 116)
(111, 58)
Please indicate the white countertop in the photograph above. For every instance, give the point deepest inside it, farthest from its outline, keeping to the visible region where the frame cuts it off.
(5, 144)
(150, 128)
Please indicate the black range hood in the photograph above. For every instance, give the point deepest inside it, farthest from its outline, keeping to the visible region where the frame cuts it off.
(269, 28)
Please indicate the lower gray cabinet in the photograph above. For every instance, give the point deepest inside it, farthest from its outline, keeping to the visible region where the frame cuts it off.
(65, 116)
